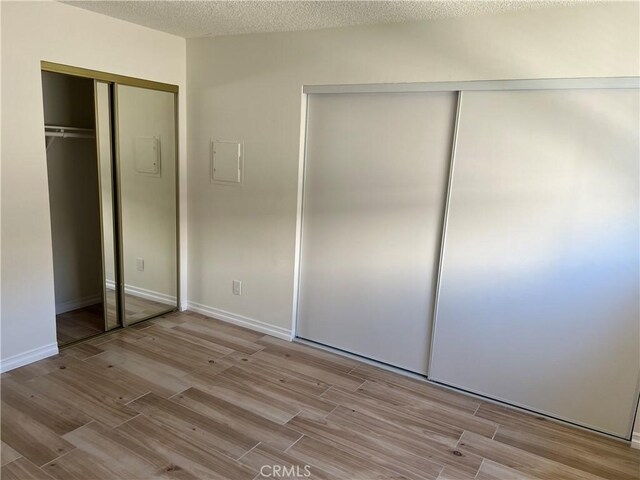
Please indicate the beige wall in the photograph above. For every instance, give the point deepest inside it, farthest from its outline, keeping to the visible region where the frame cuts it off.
(31, 32)
(248, 88)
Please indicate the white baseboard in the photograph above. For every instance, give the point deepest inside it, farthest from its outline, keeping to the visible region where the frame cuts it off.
(27, 357)
(150, 295)
(240, 320)
(144, 293)
(635, 440)
(76, 303)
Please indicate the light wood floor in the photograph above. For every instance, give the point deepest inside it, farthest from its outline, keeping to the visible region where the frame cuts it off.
(185, 397)
(80, 323)
(89, 321)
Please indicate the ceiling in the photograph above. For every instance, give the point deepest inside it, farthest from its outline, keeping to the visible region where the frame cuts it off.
(211, 18)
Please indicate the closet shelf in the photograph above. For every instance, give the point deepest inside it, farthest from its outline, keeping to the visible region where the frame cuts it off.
(51, 132)
(68, 132)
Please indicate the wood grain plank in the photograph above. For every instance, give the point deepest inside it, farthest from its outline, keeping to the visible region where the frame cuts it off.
(228, 329)
(279, 393)
(81, 351)
(108, 408)
(369, 442)
(254, 426)
(422, 388)
(189, 350)
(22, 469)
(59, 419)
(264, 459)
(295, 364)
(185, 453)
(439, 431)
(310, 353)
(341, 463)
(221, 338)
(295, 381)
(571, 455)
(427, 409)
(493, 471)
(520, 460)
(396, 436)
(207, 432)
(127, 458)
(30, 438)
(530, 423)
(7, 454)
(168, 378)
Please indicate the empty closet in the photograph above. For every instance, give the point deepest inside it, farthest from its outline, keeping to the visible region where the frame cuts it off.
(111, 162)
(481, 234)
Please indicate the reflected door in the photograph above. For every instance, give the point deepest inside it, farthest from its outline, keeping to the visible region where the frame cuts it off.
(147, 194)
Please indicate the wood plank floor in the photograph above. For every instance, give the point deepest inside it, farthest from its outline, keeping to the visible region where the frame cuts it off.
(188, 397)
(89, 321)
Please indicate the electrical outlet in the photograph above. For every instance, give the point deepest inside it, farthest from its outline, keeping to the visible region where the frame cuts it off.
(237, 287)
(140, 264)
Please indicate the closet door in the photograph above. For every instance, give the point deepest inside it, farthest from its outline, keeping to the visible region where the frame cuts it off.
(376, 172)
(539, 290)
(105, 172)
(146, 124)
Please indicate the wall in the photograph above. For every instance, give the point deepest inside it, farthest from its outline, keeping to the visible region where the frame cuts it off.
(75, 223)
(248, 88)
(31, 32)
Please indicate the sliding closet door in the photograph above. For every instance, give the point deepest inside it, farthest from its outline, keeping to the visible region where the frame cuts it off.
(539, 290)
(105, 166)
(376, 171)
(146, 124)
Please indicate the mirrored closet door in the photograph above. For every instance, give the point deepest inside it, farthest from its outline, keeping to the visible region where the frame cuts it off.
(111, 161)
(105, 162)
(146, 162)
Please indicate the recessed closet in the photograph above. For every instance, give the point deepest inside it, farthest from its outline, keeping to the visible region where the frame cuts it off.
(111, 163)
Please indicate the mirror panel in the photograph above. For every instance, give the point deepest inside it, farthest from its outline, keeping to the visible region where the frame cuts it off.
(103, 133)
(147, 172)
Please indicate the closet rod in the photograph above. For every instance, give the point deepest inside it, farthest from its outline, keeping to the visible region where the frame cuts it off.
(51, 132)
(70, 132)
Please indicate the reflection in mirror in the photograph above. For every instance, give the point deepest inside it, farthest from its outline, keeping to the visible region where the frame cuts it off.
(147, 170)
(103, 131)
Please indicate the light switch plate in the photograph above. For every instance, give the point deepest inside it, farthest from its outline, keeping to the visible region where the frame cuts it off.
(147, 156)
(226, 162)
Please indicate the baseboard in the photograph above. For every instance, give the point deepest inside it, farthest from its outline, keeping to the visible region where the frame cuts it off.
(144, 293)
(27, 357)
(240, 320)
(74, 304)
(150, 295)
(635, 440)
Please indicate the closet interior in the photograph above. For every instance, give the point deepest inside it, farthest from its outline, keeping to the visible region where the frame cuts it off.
(111, 163)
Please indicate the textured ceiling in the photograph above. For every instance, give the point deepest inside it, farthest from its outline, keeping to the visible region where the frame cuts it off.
(206, 18)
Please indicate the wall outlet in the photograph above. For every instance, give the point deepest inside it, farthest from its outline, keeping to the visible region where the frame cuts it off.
(140, 264)
(237, 287)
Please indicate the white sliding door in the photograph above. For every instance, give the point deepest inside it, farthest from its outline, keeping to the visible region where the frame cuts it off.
(539, 290)
(376, 174)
